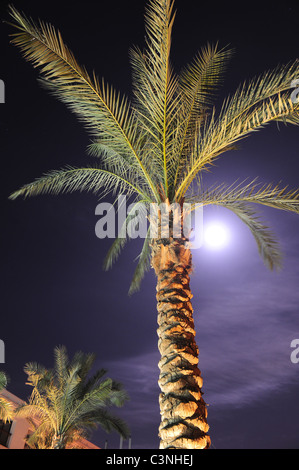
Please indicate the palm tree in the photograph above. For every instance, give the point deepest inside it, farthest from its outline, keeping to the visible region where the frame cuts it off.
(6, 408)
(155, 149)
(65, 401)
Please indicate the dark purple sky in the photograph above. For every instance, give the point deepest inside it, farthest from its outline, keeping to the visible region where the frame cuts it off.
(53, 288)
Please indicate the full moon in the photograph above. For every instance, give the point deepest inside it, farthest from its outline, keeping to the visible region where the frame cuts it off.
(216, 236)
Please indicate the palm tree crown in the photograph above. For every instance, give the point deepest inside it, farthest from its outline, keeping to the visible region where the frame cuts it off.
(65, 401)
(157, 147)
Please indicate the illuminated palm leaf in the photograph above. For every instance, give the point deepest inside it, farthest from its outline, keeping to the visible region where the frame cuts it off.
(156, 85)
(122, 237)
(106, 113)
(198, 83)
(70, 179)
(267, 244)
(6, 407)
(265, 194)
(65, 401)
(143, 265)
(254, 105)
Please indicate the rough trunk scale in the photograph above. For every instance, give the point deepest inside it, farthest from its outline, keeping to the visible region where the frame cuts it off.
(183, 410)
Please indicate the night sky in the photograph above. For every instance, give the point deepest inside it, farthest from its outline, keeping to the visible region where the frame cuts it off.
(53, 288)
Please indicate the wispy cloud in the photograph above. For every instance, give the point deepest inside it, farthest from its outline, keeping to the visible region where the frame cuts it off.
(244, 334)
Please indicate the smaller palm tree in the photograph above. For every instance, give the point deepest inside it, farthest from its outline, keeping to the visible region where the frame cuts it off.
(65, 402)
(6, 408)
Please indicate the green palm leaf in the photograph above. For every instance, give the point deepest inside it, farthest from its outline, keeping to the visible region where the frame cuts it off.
(254, 105)
(156, 84)
(198, 82)
(6, 407)
(120, 241)
(106, 114)
(65, 400)
(271, 195)
(70, 179)
(143, 265)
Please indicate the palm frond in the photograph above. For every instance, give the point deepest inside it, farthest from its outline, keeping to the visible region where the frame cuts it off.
(41, 435)
(91, 401)
(251, 94)
(6, 410)
(70, 179)
(143, 265)
(61, 363)
(271, 195)
(254, 105)
(3, 380)
(118, 396)
(267, 244)
(37, 411)
(156, 84)
(106, 113)
(122, 238)
(199, 82)
(37, 374)
(108, 422)
(83, 363)
(92, 382)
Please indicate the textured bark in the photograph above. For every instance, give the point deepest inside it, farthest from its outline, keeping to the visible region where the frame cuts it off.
(183, 410)
(59, 445)
(59, 442)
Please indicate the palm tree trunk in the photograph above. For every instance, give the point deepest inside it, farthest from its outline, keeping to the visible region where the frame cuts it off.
(183, 410)
(59, 442)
